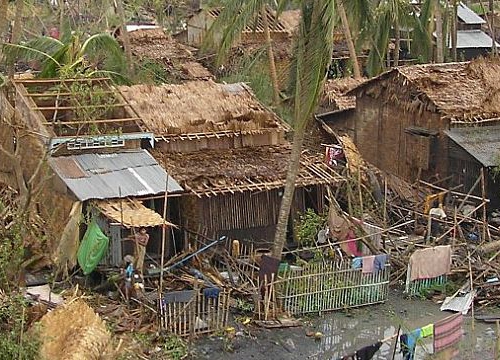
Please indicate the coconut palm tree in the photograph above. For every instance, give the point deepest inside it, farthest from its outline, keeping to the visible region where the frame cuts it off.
(348, 37)
(234, 17)
(4, 6)
(125, 36)
(313, 56)
(389, 15)
(98, 54)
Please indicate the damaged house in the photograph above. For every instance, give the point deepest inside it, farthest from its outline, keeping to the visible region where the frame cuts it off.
(229, 153)
(164, 59)
(97, 170)
(413, 122)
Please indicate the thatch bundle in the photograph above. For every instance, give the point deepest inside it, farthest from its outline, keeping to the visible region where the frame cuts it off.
(74, 331)
(334, 93)
(199, 107)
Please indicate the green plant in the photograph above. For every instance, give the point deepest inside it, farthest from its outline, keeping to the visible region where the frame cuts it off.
(244, 306)
(307, 227)
(11, 255)
(15, 342)
(174, 348)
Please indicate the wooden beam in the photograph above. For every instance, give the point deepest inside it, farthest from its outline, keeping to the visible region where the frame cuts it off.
(55, 81)
(61, 94)
(77, 107)
(99, 121)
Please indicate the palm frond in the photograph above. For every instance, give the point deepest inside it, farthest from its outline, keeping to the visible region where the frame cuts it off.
(104, 50)
(380, 41)
(51, 66)
(42, 49)
(313, 56)
(232, 20)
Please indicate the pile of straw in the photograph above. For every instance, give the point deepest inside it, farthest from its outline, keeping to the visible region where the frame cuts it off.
(74, 331)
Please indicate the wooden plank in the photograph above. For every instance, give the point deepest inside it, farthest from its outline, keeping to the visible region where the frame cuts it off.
(61, 94)
(99, 121)
(77, 107)
(55, 81)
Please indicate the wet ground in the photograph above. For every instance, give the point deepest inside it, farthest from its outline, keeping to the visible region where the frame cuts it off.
(344, 332)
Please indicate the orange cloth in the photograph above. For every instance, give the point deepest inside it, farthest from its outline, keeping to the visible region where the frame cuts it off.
(430, 263)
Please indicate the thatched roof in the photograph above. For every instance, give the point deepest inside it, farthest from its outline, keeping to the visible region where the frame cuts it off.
(291, 19)
(211, 172)
(200, 107)
(334, 94)
(275, 25)
(466, 91)
(155, 44)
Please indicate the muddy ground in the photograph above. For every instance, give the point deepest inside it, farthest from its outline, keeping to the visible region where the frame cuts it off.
(344, 332)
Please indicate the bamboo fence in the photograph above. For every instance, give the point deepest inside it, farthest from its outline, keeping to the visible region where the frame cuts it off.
(327, 286)
(192, 313)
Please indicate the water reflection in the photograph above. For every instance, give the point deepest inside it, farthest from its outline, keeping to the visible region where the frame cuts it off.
(344, 335)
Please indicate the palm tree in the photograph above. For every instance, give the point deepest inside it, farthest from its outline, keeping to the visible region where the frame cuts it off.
(348, 37)
(389, 14)
(313, 56)
(4, 6)
(234, 17)
(98, 54)
(124, 35)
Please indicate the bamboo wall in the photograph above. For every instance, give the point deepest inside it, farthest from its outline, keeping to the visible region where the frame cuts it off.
(380, 129)
(247, 215)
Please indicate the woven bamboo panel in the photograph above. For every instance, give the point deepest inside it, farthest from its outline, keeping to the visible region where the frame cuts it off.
(130, 213)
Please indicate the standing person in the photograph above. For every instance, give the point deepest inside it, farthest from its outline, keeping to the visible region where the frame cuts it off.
(141, 241)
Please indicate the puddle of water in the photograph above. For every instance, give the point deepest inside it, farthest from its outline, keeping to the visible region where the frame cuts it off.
(344, 334)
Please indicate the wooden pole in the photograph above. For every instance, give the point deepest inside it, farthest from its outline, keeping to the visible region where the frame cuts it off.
(471, 287)
(121, 218)
(483, 195)
(163, 235)
(497, 348)
(385, 210)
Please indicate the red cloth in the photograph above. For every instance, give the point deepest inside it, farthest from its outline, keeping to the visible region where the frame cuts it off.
(448, 332)
(350, 246)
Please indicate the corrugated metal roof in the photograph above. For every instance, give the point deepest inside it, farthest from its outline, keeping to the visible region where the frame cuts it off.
(131, 173)
(473, 39)
(483, 143)
(468, 16)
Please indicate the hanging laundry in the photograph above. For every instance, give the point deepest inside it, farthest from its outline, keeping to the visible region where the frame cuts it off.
(357, 262)
(350, 245)
(380, 261)
(427, 330)
(368, 264)
(375, 236)
(430, 263)
(409, 343)
(333, 154)
(448, 332)
(367, 352)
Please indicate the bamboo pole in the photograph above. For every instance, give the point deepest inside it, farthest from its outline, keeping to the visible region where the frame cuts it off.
(163, 235)
(497, 347)
(483, 195)
(385, 210)
(471, 288)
